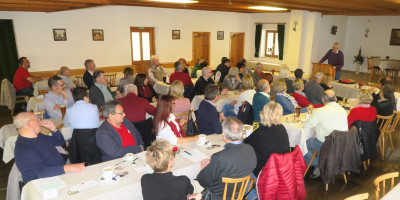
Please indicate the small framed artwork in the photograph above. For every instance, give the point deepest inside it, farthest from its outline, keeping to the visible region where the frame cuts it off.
(395, 37)
(176, 34)
(220, 35)
(98, 34)
(60, 34)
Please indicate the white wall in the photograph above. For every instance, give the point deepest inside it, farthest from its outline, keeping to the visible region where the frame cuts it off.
(35, 39)
(377, 43)
(327, 39)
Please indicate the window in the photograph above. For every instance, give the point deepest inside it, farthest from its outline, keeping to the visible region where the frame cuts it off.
(142, 43)
(271, 44)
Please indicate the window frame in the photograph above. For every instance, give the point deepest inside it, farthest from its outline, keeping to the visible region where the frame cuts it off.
(274, 42)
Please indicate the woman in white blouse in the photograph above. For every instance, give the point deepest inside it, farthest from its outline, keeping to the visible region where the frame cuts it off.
(232, 109)
(165, 124)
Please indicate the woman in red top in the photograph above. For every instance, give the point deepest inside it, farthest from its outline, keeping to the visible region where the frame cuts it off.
(145, 90)
(363, 111)
(299, 96)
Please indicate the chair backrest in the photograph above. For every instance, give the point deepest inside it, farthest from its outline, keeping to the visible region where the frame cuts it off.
(43, 92)
(395, 121)
(199, 73)
(245, 113)
(145, 127)
(79, 78)
(382, 179)
(83, 147)
(362, 196)
(370, 63)
(111, 78)
(242, 182)
(179, 116)
(383, 123)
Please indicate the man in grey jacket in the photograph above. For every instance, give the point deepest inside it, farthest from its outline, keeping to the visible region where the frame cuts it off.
(313, 89)
(237, 160)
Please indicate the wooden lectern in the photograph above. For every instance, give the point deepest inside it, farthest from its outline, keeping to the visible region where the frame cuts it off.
(324, 68)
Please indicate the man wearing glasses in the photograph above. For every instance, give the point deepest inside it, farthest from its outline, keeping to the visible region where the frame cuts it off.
(58, 96)
(117, 136)
(203, 81)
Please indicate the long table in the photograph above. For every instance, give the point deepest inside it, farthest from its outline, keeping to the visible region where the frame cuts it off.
(127, 187)
(297, 134)
(393, 194)
(163, 88)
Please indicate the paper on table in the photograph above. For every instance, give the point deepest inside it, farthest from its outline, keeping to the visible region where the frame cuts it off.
(83, 185)
(141, 155)
(48, 183)
(144, 169)
(196, 155)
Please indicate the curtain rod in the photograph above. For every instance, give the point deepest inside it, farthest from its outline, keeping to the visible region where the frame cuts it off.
(269, 23)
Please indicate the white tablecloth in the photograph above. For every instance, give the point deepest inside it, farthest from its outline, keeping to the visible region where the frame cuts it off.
(297, 134)
(345, 90)
(393, 194)
(163, 88)
(127, 187)
(232, 95)
(386, 63)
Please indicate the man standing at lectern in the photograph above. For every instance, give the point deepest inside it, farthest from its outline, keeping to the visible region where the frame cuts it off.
(335, 58)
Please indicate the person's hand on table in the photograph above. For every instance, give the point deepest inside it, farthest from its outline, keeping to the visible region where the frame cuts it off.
(48, 124)
(182, 122)
(204, 163)
(56, 107)
(221, 117)
(196, 196)
(224, 91)
(237, 77)
(234, 102)
(79, 167)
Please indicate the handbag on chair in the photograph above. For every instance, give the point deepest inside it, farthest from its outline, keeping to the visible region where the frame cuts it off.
(191, 125)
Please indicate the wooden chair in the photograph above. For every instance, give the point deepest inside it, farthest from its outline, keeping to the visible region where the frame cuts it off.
(243, 184)
(182, 116)
(382, 179)
(383, 123)
(371, 69)
(251, 186)
(309, 164)
(40, 114)
(392, 127)
(43, 92)
(111, 78)
(362, 196)
(79, 78)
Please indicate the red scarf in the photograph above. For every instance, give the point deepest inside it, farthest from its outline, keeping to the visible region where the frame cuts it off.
(177, 133)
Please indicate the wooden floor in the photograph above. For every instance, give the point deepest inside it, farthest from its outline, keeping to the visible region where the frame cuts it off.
(357, 183)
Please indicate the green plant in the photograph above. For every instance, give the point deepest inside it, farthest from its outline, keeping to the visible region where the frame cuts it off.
(359, 58)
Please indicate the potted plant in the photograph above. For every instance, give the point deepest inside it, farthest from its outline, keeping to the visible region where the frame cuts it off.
(359, 60)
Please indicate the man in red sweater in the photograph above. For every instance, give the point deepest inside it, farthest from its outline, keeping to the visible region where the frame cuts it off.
(180, 75)
(23, 79)
(135, 107)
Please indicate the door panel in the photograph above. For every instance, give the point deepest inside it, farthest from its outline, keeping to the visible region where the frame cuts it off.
(142, 47)
(201, 46)
(236, 48)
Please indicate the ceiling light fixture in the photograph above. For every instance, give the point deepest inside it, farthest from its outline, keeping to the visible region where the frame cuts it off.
(175, 1)
(267, 8)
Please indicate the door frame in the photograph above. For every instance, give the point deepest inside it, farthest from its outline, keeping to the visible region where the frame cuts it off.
(230, 45)
(209, 46)
(151, 30)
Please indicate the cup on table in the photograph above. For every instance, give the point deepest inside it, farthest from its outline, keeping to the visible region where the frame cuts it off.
(108, 173)
(248, 129)
(129, 157)
(298, 108)
(63, 108)
(202, 139)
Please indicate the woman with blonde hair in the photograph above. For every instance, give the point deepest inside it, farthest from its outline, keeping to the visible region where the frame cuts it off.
(232, 80)
(270, 138)
(162, 184)
(182, 104)
(326, 81)
(232, 109)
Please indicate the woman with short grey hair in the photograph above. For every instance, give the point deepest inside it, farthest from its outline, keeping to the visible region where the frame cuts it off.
(232, 80)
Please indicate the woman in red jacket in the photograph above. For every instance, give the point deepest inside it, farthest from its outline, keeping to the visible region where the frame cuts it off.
(363, 111)
(299, 96)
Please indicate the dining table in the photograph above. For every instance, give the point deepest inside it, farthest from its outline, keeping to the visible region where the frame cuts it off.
(87, 184)
(163, 88)
(223, 99)
(393, 194)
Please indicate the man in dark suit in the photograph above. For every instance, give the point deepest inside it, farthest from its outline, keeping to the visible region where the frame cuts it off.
(117, 136)
(100, 93)
(88, 76)
(237, 160)
(208, 118)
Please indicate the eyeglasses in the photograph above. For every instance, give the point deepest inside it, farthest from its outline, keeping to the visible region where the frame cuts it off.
(121, 113)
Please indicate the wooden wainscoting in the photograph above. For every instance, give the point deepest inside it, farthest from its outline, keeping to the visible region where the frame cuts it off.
(81, 71)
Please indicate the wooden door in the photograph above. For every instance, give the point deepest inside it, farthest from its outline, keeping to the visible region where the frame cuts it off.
(142, 47)
(201, 46)
(236, 48)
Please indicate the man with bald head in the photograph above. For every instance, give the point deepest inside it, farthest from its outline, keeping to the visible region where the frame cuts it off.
(65, 73)
(325, 120)
(313, 89)
(35, 153)
(203, 81)
(261, 98)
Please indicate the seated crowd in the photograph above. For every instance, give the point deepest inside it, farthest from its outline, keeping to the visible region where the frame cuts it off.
(136, 101)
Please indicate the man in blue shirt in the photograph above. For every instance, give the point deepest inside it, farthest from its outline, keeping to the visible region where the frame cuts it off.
(58, 96)
(82, 115)
(35, 153)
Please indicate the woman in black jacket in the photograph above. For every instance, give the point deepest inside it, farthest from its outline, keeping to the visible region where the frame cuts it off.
(145, 90)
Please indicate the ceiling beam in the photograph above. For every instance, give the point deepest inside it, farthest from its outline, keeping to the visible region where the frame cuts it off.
(8, 5)
(102, 2)
(44, 3)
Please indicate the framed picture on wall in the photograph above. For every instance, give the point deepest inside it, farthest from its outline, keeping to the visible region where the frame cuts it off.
(176, 34)
(220, 35)
(98, 34)
(395, 37)
(59, 34)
